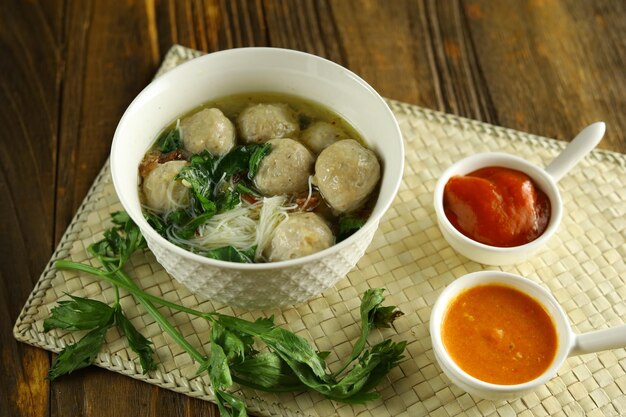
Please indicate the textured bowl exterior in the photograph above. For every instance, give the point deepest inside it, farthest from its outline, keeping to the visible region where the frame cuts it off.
(267, 288)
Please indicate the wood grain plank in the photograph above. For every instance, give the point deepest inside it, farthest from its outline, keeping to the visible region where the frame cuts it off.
(175, 23)
(217, 24)
(111, 55)
(244, 22)
(552, 67)
(100, 392)
(30, 74)
(463, 89)
(390, 47)
(110, 58)
(308, 26)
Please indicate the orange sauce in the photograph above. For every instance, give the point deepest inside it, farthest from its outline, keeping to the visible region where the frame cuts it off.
(499, 335)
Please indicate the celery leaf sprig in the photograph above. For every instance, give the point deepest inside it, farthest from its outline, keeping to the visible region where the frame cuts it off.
(257, 354)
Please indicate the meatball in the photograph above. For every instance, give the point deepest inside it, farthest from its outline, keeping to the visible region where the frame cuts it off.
(208, 130)
(300, 235)
(286, 169)
(259, 123)
(346, 173)
(163, 193)
(321, 135)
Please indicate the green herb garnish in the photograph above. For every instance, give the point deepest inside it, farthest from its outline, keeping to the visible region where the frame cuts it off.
(79, 314)
(198, 175)
(232, 254)
(288, 362)
(216, 186)
(84, 314)
(348, 225)
(170, 141)
(78, 355)
(255, 159)
(236, 161)
(156, 222)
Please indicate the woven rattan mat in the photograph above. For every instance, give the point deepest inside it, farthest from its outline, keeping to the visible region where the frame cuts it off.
(583, 265)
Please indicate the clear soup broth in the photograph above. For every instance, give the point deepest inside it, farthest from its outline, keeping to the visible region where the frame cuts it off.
(258, 178)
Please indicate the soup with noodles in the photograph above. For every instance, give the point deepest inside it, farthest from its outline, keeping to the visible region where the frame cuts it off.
(258, 178)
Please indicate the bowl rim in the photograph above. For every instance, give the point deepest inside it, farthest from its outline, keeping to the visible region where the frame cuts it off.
(553, 193)
(474, 279)
(337, 247)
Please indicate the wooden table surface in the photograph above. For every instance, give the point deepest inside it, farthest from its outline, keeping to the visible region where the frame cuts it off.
(69, 69)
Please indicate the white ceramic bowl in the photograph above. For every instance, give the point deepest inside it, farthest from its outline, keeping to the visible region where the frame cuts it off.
(257, 70)
(545, 178)
(474, 385)
(569, 343)
(487, 254)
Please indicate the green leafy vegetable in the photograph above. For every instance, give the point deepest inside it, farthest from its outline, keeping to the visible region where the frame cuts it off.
(235, 162)
(236, 345)
(255, 159)
(188, 229)
(85, 314)
(266, 371)
(80, 354)
(298, 350)
(227, 198)
(227, 201)
(139, 344)
(120, 241)
(156, 222)
(201, 187)
(121, 218)
(232, 254)
(225, 346)
(78, 314)
(373, 314)
(385, 316)
(371, 367)
(348, 225)
(216, 186)
(170, 141)
(243, 189)
(178, 217)
(198, 175)
(380, 360)
(287, 362)
(242, 159)
(219, 372)
(205, 161)
(259, 326)
(236, 404)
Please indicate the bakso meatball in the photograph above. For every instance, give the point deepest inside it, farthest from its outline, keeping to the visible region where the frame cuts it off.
(321, 135)
(208, 130)
(346, 173)
(286, 169)
(259, 123)
(163, 193)
(300, 235)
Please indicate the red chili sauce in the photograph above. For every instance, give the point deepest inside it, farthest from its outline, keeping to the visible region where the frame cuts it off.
(496, 206)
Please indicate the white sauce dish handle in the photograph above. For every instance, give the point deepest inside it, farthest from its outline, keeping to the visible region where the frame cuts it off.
(580, 146)
(599, 340)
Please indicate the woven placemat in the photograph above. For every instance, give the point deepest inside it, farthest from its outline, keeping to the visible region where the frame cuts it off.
(583, 265)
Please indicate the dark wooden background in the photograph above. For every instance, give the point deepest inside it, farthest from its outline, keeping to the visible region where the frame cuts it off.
(69, 68)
